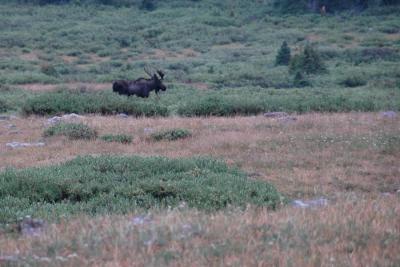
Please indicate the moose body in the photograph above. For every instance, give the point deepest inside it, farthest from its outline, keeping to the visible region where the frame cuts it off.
(142, 86)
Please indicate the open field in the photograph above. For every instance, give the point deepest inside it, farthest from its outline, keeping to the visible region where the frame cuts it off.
(199, 177)
(351, 159)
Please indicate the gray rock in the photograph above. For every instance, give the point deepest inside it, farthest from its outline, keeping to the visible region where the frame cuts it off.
(275, 114)
(66, 117)
(29, 226)
(319, 202)
(287, 119)
(141, 220)
(389, 114)
(122, 115)
(5, 259)
(148, 130)
(4, 118)
(19, 144)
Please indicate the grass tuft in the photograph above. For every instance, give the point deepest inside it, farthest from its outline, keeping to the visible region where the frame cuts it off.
(119, 138)
(73, 131)
(171, 134)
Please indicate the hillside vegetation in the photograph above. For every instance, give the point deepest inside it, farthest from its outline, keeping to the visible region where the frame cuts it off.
(218, 52)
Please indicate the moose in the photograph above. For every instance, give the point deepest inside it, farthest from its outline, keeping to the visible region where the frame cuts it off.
(141, 87)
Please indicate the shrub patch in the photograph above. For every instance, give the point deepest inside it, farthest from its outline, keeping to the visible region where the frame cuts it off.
(113, 184)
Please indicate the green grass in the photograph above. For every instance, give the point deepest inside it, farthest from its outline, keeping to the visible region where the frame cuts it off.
(171, 134)
(114, 184)
(119, 138)
(73, 131)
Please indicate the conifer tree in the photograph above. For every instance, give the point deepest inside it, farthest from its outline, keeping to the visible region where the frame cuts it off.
(283, 56)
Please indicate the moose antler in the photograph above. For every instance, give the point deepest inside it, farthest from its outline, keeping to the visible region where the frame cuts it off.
(161, 74)
(146, 69)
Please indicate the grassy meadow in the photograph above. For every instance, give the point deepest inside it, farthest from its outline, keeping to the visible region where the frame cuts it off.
(199, 176)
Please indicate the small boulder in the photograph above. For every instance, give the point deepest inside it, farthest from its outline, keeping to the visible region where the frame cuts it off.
(29, 226)
(275, 114)
(65, 118)
(319, 202)
(389, 114)
(122, 115)
(20, 144)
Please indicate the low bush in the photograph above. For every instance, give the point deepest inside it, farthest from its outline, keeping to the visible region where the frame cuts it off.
(221, 106)
(71, 130)
(88, 102)
(369, 55)
(3, 106)
(119, 138)
(353, 81)
(112, 184)
(171, 134)
(309, 62)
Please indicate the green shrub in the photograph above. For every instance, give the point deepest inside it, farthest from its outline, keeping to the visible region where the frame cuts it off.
(283, 56)
(88, 102)
(221, 106)
(112, 184)
(369, 55)
(3, 106)
(119, 138)
(71, 130)
(171, 134)
(353, 81)
(300, 81)
(309, 62)
(49, 70)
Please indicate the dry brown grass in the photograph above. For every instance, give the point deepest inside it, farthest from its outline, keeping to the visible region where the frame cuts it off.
(352, 232)
(315, 155)
(39, 87)
(348, 158)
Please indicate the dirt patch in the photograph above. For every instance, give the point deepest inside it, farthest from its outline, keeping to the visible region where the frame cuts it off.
(197, 85)
(69, 59)
(229, 46)
(31, 56)
(393, 37)
(72, 86)
(95, 58)
(163, 54)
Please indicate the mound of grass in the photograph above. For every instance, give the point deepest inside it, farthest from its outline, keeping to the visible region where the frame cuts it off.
(112, 184)
(88, 102)
(171, 134)
(73, 131)
(119, 138)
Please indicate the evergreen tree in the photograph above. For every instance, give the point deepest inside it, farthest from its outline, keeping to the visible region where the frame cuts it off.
(300, 81)
(309, 62)
(283, 56)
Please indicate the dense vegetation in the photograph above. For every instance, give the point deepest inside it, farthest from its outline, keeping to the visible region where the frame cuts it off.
(104, 43)
(121, 184)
